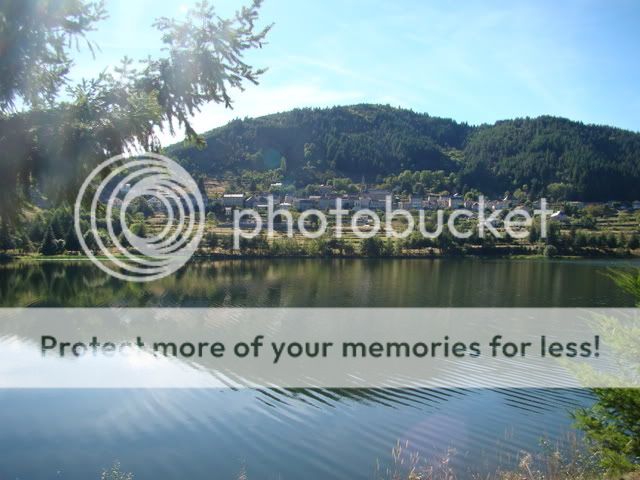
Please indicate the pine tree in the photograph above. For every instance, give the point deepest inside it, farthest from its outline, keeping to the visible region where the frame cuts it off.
(35, 230)
(371, 247)
(612, 423)
(47, 116)
(49, 245)
(71, 242)
(90, 240)
(57, 225)
(6, 240)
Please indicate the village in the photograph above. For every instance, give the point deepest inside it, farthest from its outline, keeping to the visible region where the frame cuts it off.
(374, 198)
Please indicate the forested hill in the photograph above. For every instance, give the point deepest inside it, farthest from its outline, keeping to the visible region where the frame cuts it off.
(590, 162)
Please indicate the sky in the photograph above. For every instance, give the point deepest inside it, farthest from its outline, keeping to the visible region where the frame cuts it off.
(473, 61)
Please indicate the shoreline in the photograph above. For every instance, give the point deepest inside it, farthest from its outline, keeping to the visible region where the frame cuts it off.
(257, 256)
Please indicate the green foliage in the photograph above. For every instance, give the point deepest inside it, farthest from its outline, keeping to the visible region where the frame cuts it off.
(420, 182)
(629, 281)
(252, 180)
(49, 245)
(355, 140)
(140, 205)
(559, 191)
(90, 241)
(71, 242)
(6, 240)
(343, 185)
(372, 247)
(285, 247)
(612, 424)
(210, 240)
(533, 157)
(318, 247)
(592, 162)
(55, 142)
(139, 229)
(39, 33)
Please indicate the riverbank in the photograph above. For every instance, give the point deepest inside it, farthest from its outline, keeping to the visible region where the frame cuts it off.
(516, 254)
(571, 461)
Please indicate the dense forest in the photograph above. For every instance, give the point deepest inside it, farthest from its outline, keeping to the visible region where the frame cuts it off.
(536, 155)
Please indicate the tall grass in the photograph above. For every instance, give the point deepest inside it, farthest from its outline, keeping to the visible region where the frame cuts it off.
(566, 460)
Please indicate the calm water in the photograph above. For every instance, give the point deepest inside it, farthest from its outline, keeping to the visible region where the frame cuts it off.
(289, 434)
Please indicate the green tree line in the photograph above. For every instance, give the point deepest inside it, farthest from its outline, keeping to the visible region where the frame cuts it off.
(540, 156)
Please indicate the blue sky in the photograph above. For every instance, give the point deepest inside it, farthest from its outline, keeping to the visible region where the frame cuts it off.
(474, 61)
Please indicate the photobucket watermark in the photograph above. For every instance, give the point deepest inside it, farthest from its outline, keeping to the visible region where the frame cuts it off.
(111, 188)
(366, 223)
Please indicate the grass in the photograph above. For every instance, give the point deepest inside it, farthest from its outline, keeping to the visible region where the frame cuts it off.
(568, 460)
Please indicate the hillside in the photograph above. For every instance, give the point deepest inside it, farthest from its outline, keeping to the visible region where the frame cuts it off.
(591, 162)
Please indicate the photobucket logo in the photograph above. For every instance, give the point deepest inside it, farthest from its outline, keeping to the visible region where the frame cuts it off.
(114, 185)
(366, 223)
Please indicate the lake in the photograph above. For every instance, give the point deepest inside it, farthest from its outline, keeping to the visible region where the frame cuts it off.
(291, 434)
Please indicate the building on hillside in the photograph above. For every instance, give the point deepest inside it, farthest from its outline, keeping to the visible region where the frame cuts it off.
(302, 204)
(443, 201)
(361, 203)
(456, 201)
(378, 194)
(378, 204)
(430, 203)
(415, 202)
(326, 202)
(233, 200)
(501, 204)
(348, 201)
(257, 200)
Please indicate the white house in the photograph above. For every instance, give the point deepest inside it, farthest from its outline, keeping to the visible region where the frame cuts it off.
(233, 200)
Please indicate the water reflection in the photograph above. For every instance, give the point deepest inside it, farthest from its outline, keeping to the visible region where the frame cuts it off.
(288, 433)
(321, 283)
